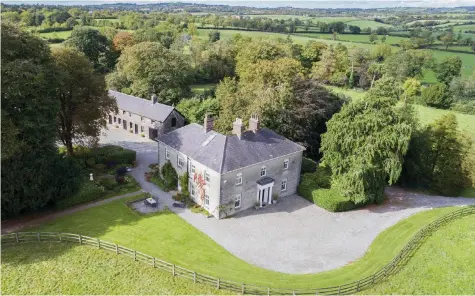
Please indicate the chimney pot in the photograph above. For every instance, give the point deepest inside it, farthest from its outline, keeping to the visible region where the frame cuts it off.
(209, 123)
(238, 127)
(254, 124)
(154, 99)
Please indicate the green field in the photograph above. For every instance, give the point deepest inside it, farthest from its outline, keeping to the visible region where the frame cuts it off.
(354, 37)
(443, 265)
(368, 24)
(62, 35)
(167, 236)
(302, 17)
(109, 20)
(72, 269)
(466, 48)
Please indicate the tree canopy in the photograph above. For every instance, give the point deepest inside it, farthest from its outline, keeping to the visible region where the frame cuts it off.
(364, 145)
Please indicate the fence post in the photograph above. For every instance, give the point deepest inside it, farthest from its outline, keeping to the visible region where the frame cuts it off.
(153, 262)
(268, 291)
(194, 277)
(116, 249)
(60, 237)
(38, 235)
(293, 293)
(98, 243)
(243, 288)
(316, 293)
(374, 275)
(217, 284)
(135, 255)
(339, 289)
(80, 239)
(173, 269)
(16, 237)
(358, 287)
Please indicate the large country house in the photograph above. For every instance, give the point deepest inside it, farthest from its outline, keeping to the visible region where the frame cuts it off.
(231, 173)
(144, 117)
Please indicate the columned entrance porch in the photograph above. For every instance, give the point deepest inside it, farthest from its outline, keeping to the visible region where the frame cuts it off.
(264, 191)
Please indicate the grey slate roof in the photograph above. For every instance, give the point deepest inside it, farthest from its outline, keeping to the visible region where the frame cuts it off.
(228, 153)
(141, 106)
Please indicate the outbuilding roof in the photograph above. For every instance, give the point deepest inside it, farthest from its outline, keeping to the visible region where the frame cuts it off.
(223, 153)
(142, 107)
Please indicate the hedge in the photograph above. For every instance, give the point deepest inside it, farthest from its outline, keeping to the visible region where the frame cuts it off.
(89, 191)
(312, 188)
(308, 166)
(112, 155)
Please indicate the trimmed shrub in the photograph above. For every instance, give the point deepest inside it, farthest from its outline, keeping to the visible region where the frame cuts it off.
(89, 191)
(326, 198)
(112, 155)
(169, 175)
(308, 166)
(184, 184)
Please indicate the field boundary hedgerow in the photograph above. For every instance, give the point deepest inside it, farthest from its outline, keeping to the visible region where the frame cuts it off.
(350, 288)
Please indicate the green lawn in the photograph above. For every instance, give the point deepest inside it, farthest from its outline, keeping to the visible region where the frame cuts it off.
(167, 236)
(466, 48)
(201, 88)
(74, 269)
(445, 264)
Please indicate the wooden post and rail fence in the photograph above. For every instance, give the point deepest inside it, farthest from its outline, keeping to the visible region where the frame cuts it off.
(175, 270)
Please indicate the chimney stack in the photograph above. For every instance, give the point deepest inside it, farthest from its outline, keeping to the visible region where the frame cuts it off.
(254, 124)
(154, 99)
(209, 123)
(238, 127)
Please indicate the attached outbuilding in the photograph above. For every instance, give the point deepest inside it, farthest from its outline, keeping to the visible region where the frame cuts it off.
(146, 118)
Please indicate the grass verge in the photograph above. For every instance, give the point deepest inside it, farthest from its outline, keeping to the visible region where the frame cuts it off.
(167, 236)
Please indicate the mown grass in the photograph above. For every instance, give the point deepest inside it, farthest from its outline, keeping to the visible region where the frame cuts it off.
(354, 37)
(201, 88)
(368, 24)
(65, 268)
(61, 34)
(167, 236)
(444, 264)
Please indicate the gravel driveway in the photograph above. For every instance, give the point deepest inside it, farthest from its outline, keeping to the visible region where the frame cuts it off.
(293, 236)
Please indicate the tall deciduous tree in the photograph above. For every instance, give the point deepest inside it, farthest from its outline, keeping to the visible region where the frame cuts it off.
(333, 66)
(364, 145)
(84, 102)
(149, 68)
(97, 48)
(448, 69)
(439, 158)
(32, 172)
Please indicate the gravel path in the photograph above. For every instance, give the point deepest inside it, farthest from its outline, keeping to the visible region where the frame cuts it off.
(293, 236)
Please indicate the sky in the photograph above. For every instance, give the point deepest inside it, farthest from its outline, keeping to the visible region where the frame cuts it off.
(280, 3)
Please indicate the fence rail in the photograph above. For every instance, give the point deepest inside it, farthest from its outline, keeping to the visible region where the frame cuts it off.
(350, 288)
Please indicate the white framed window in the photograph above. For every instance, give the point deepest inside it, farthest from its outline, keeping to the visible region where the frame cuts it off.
(167, 154)
(141, 129)
(180, 162)
(192, 168)
(206, 201)
(130, 114)
(263, 171)
(237, 201)
(141, 118)
(207, 178)
(283, 185)
(193, 190)
(239, 179)
(123, 112)
(286, 164)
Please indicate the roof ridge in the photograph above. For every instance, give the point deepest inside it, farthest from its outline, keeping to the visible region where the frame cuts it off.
(224, 154)
(144, 99)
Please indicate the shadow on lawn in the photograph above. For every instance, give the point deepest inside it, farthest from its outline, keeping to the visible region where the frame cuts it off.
(97, 222)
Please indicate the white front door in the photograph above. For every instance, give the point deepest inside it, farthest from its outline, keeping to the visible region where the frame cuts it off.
(264, 194)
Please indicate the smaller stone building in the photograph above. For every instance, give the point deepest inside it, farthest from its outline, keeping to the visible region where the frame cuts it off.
(146, 118)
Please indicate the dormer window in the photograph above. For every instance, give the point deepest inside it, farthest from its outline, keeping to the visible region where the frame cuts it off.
(263, 171)
(286, 164)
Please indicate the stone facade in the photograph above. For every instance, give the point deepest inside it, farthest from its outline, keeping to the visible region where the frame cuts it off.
(144, 126)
